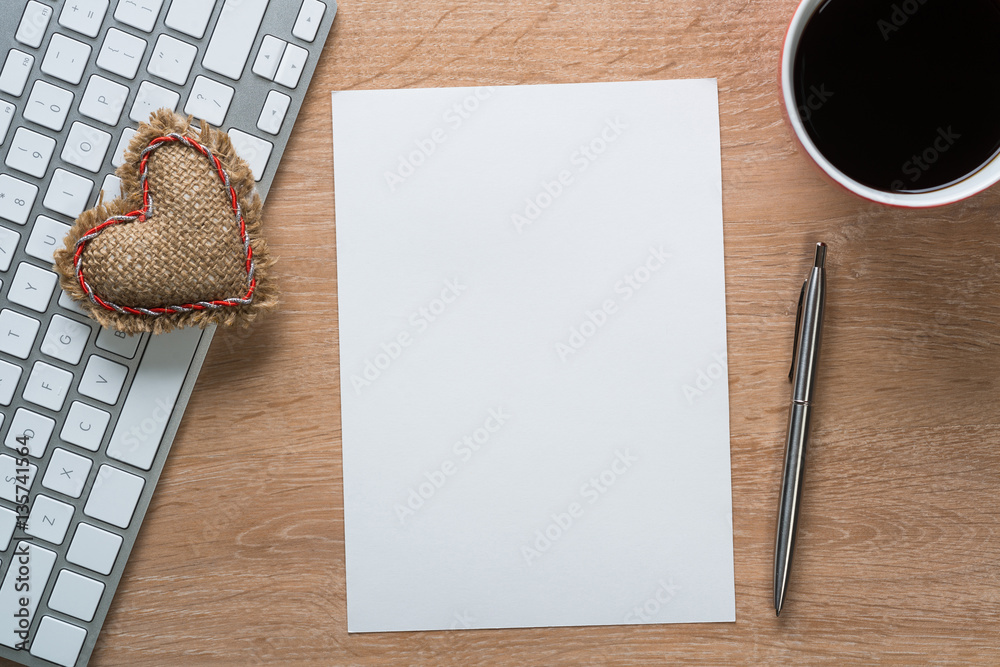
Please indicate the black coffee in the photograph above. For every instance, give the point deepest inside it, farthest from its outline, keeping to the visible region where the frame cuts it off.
(902, 96)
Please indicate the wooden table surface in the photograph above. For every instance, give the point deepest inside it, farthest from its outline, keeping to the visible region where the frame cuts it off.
(241, 558)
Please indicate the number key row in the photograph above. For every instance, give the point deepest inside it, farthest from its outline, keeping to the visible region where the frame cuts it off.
(16, 200)
(30, 152)
(48, 105)
(68, 193)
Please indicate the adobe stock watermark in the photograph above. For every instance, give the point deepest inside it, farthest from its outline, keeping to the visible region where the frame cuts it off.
(463, 451)
(23, 582)
(235, 337)
(918, 165)
(549, 190)
(420, 321)
(624, 289)
(817, 98)
(424, 147)
(706, 378)
(148, 428)
(591, 491)
(647, 611)
(34, 27)
(899, 16)
(463, 620)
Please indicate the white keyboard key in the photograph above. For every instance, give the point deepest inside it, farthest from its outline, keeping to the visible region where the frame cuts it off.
(291, 66)
(209, 101)
(46, 236)
(307, 23)
(84, 16)
(172, 59)
(8, 522)
(30, 152)
(152, 98)
(121, 53)
(103, 379)
(112, 187)
(15, 72)
(66, 473)
(58, 641)
(49, 519)
(40, 563)
(114, 496)
(13, 475)
(69, 304)
(234, 36)
(65, 339)
(139, 14)
(33, 23)
(190, 16)
(150, 401)
(6, 117)
(86, 147)
(9, 375)
(103, 100)
(68, 193)
(119, 158)
(16, 199)
(8, 244)
(271, 50)
(252, 149)
(117, 342)
(17, 333)
(76, 595)
(35, 428)
(94, 549)
(48, 105)
(47, 386)
(85, 426)
(273, 114)
(32, 287)
(66, 58)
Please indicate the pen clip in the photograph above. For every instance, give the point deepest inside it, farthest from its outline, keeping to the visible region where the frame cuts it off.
(798, 325)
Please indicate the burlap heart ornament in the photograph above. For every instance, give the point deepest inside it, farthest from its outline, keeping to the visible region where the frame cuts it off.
(182, 246)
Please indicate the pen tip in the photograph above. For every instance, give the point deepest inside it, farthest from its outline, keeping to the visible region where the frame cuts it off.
(777, 612)
(820, 255)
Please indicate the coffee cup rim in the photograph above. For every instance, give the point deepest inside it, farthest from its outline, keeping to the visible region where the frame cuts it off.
(986, 176)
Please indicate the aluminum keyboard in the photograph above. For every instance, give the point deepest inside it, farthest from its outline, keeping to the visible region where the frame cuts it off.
(87, 415)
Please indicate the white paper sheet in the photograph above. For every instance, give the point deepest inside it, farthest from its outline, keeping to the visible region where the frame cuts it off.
(533, 356)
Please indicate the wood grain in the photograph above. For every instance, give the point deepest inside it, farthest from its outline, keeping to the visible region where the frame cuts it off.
(241, 558)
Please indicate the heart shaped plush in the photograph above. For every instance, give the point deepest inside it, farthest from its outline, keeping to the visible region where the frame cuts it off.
(181, 246)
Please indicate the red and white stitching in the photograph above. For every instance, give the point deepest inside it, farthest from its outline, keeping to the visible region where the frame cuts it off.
(145, 212)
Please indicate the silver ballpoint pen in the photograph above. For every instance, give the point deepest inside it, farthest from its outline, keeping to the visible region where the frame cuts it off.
(808, 331)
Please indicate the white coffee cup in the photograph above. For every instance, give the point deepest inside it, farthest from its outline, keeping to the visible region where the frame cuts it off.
(974, 183)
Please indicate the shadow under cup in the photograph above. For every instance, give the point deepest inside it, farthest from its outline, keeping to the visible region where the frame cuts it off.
(899, 101)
